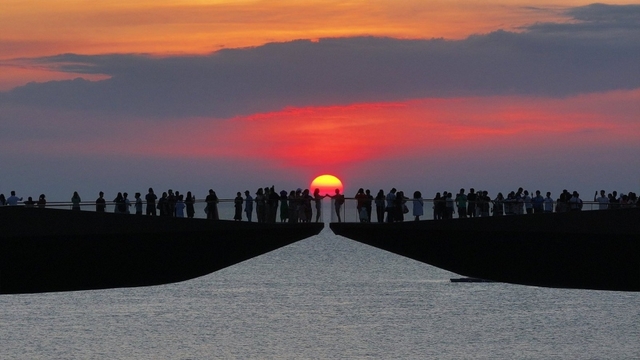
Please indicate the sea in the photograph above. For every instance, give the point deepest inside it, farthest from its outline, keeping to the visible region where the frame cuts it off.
(325, 297)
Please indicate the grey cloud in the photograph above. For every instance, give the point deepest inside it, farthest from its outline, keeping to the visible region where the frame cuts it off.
(546, 60)
(623, 15)
(596, 20)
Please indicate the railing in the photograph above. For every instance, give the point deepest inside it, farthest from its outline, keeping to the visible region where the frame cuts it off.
(226, 209)
(348, 212)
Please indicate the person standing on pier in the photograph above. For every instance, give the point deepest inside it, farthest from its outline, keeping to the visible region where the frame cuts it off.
(548, 203)
(368, 204)
(179, 206)
(538, 203)
(13, 199)
(390, 209)
(260, 205)
(127, 203)
(29, 203)
(361, 199)
(498, 205)
(575, 203)
(189, 202)
(317, 198)
(338, 201)
(418, 205)
(119, 207)
(380, 205)
(75, 201)
(101, 204)
(461, 203)
(151, 202)
(603, 200)
(284, 206)
(42, 202)
(138, 203)
(472, 198)
(237, 204)
(248, 205)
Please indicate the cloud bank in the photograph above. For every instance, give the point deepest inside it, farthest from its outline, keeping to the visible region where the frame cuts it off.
(599, 51)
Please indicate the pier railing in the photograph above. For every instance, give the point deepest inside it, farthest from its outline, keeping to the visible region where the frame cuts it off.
(348, 211)
(225, 207)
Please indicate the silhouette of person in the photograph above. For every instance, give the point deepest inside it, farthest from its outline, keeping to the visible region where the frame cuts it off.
(293, 206)
(151, 202)
(29, 203)
(418, 205)
(138, 203)
(307, 211)
(472, 199)
(498, 205)
(537, 202)
(237, 203)
(297, 204)
(260, 205)
(614, 202)
(13, 199)
(163, 204)
(483, 202)
(120, 207)
(75, 201)
(3, 200)
(212, 205)
(171, 203)
(602, 200)
(361, 199)
(101, 204)
(127, 203)
(338, 201)
(248, 205)
(527, 200)
(42, 201)
(400, 206)
(438, 207)
(380, 205)
(461, 203)
(284, 206)
(390, 205)
(179, 206)
(575, 203)
(189, 203)
(368, 204)
(273, 201)
(548, 203)
(317, 198)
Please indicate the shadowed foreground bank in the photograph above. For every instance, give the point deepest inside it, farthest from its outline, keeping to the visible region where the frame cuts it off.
(46, 250)
(584, 249)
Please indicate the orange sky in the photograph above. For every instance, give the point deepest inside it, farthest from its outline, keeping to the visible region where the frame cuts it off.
(32, 28)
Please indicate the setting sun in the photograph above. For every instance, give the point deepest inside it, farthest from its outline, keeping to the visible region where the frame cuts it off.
(327, 184)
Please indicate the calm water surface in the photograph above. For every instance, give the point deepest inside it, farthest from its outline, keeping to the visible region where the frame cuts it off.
(326, 297)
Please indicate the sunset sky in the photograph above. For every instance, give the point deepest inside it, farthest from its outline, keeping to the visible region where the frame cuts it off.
(234, 95)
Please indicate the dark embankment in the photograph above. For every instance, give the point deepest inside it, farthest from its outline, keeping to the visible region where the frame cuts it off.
(44, 250)
(584, 250)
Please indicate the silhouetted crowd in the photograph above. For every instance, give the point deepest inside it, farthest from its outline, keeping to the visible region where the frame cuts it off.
(394, 206)
(299, 205)
(294, 206)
